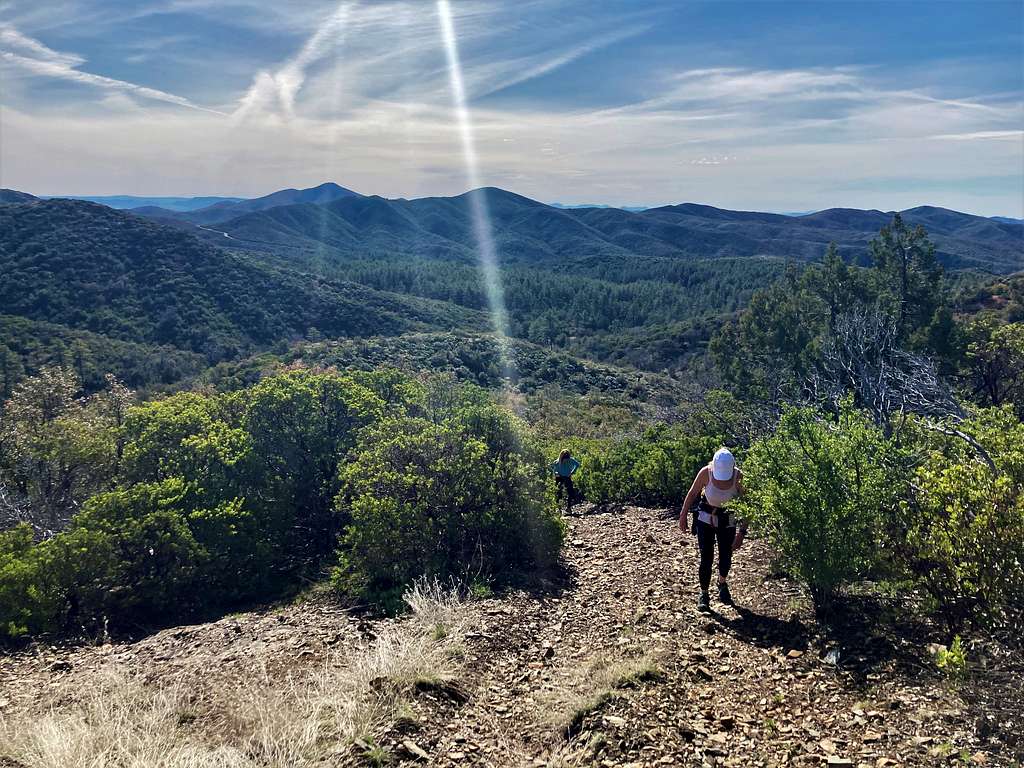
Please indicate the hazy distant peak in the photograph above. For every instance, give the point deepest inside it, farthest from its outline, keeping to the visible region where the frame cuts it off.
(14, 196)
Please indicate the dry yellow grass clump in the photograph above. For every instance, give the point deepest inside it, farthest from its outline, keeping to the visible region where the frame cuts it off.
(115, 721)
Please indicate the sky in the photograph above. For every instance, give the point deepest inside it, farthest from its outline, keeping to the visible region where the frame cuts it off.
(776, 106)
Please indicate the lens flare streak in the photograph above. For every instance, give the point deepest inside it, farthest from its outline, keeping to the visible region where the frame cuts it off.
(477, 196)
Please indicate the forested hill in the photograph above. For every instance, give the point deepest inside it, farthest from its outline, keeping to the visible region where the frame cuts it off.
(224, 210)
(531, 232)
(91, 268)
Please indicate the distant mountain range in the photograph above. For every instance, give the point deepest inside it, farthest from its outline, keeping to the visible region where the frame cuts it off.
(156, 303)
(124, 202)
(338, 221)
(571, 206)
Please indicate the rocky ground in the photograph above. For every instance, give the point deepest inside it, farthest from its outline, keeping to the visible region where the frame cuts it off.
(612, 665)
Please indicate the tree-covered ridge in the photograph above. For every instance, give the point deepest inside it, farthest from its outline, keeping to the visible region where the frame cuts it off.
(28, 346)
(529, 232)
(92, 268)
(472, 358)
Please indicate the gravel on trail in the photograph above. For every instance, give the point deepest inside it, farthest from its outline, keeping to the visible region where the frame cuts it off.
(611, 665)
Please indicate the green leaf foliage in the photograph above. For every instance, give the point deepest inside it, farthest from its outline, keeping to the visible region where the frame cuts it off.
(965, 537)
(226, 498)
(457, 491)
(824, 492)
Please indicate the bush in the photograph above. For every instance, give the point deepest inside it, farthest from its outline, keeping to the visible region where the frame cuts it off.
(824, 492)
(965, 537)
(460, 497)
(227, 498)
(57, 447)
(655, 469)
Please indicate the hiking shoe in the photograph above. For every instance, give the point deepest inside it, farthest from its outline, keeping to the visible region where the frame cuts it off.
(723, 594)
(704, 602)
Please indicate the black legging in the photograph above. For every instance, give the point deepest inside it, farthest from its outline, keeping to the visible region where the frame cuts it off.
(706, 535)
(564, 481)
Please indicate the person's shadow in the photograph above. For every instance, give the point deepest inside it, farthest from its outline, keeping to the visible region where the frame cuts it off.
(763, 631)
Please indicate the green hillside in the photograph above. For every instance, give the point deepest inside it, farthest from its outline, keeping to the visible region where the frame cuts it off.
(91, 268)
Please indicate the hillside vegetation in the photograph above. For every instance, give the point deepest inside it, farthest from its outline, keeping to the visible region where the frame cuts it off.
(111, 274)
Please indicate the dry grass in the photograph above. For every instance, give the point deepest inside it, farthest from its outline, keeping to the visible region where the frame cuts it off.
(117, 722)
(594, 685)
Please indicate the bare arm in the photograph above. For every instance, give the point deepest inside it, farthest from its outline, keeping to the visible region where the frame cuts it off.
(698, 485)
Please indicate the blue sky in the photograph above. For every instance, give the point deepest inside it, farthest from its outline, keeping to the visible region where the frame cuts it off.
(758, 105)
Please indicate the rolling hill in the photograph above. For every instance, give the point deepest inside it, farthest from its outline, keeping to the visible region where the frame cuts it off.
(84, 267)
(228, 209)
(530, 232)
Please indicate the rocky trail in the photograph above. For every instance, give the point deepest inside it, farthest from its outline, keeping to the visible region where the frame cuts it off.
(612, 666)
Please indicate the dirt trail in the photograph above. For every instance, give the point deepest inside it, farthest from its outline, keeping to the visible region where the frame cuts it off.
(613, 667)
(747, 685)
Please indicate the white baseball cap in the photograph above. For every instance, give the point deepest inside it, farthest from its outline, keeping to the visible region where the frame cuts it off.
(723, 465)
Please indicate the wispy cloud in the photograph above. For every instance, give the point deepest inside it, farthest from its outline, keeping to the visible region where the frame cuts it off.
(281, 86)
(12, 39)
(979, 136)
(34, 57)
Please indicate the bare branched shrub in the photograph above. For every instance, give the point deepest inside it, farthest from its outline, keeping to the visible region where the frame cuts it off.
(862, 357)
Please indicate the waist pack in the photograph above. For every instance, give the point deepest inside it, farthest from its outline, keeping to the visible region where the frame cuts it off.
(703, 506)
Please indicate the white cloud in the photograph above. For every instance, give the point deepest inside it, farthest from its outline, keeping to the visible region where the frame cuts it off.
(11, 38)
(270, 89)
(38, 59)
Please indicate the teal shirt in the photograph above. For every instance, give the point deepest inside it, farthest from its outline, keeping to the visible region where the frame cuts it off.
(565, 468)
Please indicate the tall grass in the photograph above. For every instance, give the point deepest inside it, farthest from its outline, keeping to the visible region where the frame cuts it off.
(115, 721)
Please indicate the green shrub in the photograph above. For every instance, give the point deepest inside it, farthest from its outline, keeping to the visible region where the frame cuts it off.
(277, 445)
(460, 497)
(952, 661)
(655, 469)
(234, 497)
(965, 524)
(57, 447)
(824, 492)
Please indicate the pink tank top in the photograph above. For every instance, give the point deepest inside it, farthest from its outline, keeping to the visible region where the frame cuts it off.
(719, 497)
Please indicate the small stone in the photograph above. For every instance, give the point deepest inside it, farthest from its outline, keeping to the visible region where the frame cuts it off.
(870, 737)
(795, 654)
(415, 750)
(840, 762)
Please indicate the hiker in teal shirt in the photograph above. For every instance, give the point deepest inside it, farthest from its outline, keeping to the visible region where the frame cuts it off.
(563, 470)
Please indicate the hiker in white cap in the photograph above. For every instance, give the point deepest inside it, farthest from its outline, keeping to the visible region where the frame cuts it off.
(715, 486)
